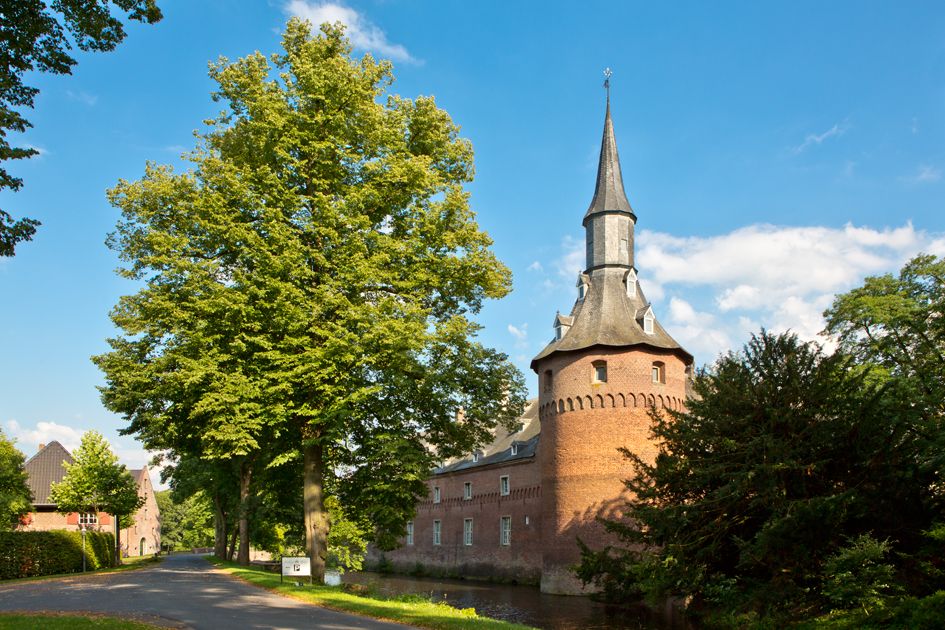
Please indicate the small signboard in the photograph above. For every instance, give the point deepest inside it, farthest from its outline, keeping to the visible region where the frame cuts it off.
(296, 567)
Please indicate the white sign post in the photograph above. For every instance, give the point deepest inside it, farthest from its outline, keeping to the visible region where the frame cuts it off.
(296, 567)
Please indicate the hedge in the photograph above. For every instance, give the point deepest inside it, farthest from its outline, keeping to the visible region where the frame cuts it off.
(26, 554)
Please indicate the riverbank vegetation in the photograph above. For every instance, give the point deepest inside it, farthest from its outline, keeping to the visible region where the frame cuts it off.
(69, 621)
(415, 610)
(800, 485)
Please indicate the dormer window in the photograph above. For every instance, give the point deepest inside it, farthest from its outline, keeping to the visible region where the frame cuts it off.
(475, 456)
(559, 333)
(631, 281)
(562, 325)
(514, 450)
(648, 323)
(583, 285)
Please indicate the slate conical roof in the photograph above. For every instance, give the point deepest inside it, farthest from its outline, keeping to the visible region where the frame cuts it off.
(609, 194)
(610, 314)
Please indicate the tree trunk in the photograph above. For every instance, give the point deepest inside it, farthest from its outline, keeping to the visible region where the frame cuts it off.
(219, 528)
(117, 540)
(316, 520)
(232, 550)
(246, 475)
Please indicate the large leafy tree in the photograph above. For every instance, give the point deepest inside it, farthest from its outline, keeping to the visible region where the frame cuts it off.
(308, 287)
(37, 35)
(787, 466)
(15, 496)
(95, 482)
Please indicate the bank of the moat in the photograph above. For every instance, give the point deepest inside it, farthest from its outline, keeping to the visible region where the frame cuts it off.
(521, 604)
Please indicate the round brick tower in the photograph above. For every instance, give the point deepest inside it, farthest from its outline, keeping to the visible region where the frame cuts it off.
(609, 363)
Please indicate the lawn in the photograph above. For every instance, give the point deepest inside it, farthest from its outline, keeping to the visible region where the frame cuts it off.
(411, 609)
(68, 621)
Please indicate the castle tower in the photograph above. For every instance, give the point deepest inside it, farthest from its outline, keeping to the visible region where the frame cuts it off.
(609, 362)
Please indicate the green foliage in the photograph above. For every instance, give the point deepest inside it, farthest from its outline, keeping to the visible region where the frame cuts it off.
(784, 457)
(347, 539)
(186, 524)
(34, 39)
(30, 553)
(857, 575)
(15, 497)
(95, 481)
(310, 285)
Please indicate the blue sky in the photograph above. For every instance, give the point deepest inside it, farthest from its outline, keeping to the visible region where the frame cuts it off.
(775, 154)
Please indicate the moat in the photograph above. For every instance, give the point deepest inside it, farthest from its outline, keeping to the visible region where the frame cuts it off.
(520, 604)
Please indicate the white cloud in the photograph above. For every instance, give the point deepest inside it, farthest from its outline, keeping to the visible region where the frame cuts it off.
(781, 278)
(83, 97)
(29, 439)
(363, 33)
(924, 174)
(571, 261)
(818, 138)
(536, 266)
(519, 333)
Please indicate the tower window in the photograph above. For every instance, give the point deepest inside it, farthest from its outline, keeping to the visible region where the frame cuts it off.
(658, 371)
(600, 371)
(467, 490)
(549, 379)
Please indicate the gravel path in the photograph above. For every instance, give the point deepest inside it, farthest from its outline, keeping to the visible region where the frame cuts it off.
(183, 591)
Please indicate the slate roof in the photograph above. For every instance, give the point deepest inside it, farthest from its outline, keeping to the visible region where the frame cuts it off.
(607, 316)
(500, 450)
(44, 468)
(609, 194)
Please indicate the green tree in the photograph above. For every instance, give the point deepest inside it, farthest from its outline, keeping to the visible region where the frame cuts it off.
(185, 524)
(783, 457)
(95, 482)
(35, 36)
(308, 287)
(15, 496)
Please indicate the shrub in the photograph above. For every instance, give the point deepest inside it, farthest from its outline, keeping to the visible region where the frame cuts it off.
(28, 554)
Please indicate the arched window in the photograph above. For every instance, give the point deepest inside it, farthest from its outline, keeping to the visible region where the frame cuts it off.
(600, 372)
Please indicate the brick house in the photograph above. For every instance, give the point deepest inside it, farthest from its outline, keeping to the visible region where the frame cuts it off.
(515, 509)
(46, 467)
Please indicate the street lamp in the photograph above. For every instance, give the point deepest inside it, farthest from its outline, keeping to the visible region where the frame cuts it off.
(82, 529)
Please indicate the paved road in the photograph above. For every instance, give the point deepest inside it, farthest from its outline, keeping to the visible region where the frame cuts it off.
(183, 591)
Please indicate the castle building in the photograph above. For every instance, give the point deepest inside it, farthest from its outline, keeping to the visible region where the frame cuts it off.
(516, 509)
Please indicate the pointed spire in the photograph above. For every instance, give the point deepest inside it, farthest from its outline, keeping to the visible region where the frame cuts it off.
(609, 193)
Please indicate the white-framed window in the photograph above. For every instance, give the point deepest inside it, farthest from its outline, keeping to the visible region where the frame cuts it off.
(505, 530)
(475, 456)
(467, 490)
(631, 283)
(600, 371)
(467, 531)
(504, 485)
(658, 372)
(559, 332)
(88, 518)
(436, 494)
(437, 530)
(514, 449)
(409, 532)
(582, 290)
(648, 323)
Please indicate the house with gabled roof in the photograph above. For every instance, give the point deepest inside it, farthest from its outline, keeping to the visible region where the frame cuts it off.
(46, 467)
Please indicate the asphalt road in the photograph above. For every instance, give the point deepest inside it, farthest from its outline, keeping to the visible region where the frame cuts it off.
(183, 591)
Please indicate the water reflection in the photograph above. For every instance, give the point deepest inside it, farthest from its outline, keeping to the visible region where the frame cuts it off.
(520, 604)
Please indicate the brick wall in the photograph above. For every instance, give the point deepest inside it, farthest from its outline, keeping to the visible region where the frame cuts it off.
(518, 561)
(584, 423)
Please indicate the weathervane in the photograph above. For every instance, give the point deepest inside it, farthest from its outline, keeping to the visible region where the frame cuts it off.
(607, 74)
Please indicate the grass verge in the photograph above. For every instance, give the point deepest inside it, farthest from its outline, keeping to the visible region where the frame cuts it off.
(128, 564)
(68, 621)
(410, 609)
